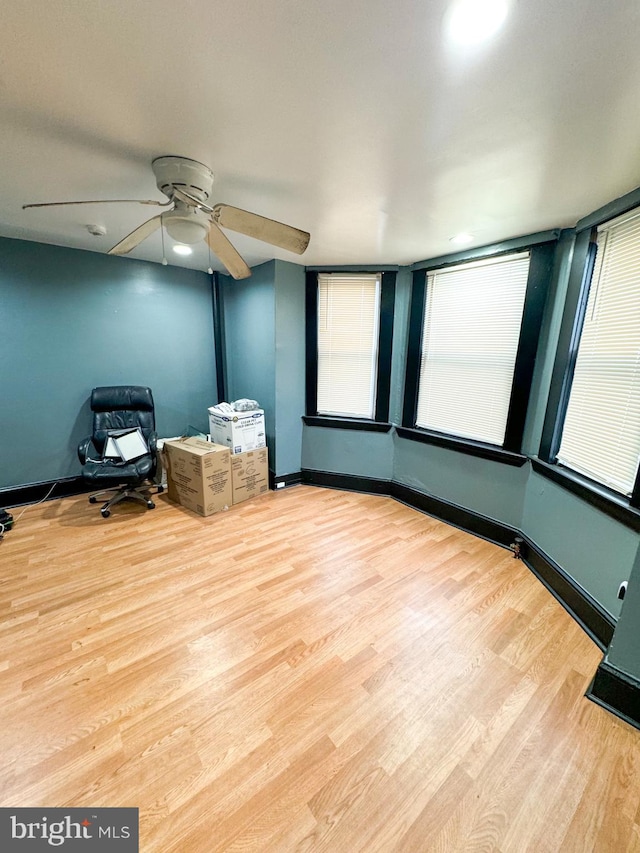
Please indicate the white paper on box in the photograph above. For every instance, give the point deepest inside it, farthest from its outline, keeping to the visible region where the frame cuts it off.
(239, 431)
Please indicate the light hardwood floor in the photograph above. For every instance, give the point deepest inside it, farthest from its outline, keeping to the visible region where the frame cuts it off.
(313, 670)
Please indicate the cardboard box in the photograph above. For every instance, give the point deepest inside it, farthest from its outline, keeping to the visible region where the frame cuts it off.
(198, 475)
(239, 431)
(249, 474)
(161, 466)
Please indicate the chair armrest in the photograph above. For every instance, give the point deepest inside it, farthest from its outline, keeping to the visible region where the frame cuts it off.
(83, 449)
(152, 441)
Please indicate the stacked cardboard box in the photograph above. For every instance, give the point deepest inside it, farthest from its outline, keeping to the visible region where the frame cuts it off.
(249, 474)
(239, 431)
(206, 478)
(198, 475)
(244, 434)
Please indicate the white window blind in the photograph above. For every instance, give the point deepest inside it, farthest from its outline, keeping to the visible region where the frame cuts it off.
(601, 434)
(472, 320)
(348, 321)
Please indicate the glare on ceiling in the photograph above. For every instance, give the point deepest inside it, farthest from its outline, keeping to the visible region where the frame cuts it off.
(473, 21)
(461, 239)
(181, 249)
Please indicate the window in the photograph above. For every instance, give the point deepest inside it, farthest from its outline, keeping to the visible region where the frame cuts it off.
(349, 328)
(470, 340)
(601, 433)
(348, 315)
(473, 338)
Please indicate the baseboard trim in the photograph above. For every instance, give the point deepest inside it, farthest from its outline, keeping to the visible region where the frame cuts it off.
(592, 618)
(586, 611)
(616, 692)
(466, 519)
(284, 479)
(32, 493)
(346, 482)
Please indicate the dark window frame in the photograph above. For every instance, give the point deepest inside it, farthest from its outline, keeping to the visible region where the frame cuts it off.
(579, 285)
(542, 254)
(567, 348)
(605, 500)
(385, 347)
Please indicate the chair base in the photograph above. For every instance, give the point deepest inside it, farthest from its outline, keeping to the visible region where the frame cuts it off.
(142, 494)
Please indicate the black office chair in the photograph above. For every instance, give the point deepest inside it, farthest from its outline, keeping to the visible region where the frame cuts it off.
(115, 408)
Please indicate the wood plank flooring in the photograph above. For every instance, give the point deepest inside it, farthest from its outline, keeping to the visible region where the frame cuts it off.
(313, 670)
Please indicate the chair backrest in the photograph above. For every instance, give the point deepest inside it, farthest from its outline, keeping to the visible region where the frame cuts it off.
(121, 407)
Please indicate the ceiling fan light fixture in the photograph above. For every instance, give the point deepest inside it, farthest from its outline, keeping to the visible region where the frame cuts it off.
(186, 229)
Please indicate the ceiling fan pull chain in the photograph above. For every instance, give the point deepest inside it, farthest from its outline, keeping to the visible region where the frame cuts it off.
(164, 258)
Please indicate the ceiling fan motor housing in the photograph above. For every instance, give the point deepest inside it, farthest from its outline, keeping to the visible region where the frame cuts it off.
(192, 177)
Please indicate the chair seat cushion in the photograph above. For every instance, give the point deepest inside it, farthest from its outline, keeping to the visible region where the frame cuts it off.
(132, 473)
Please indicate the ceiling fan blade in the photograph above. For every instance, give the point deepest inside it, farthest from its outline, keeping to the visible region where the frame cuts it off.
(191, 200)
(100, 201)
(226, 252)
(137, 236)
(267, 230)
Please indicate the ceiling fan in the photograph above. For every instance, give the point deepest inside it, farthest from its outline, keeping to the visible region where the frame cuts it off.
(189, 218)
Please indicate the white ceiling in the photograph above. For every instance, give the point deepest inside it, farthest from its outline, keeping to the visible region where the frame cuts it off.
(357, 120)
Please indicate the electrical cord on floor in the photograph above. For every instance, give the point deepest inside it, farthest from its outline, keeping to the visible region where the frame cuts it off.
(9, 521)
(42, 500)
(6, 523)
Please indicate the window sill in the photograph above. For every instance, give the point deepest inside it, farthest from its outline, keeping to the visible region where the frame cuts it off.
(463, 445)
(334, 422)
(606, 500)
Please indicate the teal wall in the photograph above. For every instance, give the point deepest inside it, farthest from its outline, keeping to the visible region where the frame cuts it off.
(482, 485)
(347, 451)
(71, 320)
(597, 551)
(249, 332)
(624, 651)
(290, 365)
(264, 330)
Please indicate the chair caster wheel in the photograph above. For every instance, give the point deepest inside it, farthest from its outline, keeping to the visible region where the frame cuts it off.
(105, 513)
(160, 489)
(151, 505)
(93, 500)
